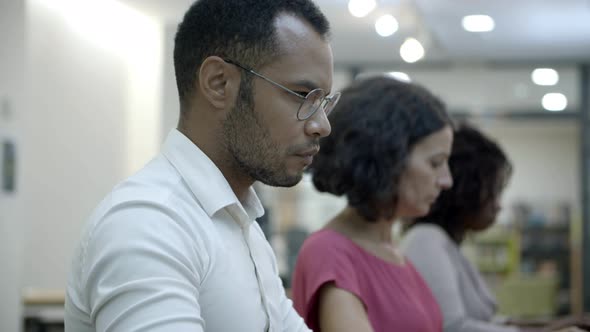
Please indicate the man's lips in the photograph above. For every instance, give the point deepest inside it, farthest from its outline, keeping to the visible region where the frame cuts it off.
(434, 198)
(309, 153)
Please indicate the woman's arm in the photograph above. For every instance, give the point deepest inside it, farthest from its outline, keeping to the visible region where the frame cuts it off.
(430, 253)
(341, 311)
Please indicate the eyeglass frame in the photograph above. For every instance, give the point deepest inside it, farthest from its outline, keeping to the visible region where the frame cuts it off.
(324, 101)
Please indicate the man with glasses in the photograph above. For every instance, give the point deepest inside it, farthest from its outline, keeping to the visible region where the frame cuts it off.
(175, 247)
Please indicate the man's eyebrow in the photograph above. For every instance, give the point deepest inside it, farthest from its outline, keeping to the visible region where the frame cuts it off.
(307, 84)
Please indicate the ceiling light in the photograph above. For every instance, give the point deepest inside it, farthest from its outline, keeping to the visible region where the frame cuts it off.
(386, 25)
(411, 50)
(398, 75)
(478, 23)
(545, 76)
(554, 102)
(360, 8)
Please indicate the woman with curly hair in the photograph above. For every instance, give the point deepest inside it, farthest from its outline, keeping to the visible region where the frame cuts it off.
(387, 154)
(480, 171)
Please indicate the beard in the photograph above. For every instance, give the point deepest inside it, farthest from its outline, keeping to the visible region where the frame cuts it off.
(250, 146)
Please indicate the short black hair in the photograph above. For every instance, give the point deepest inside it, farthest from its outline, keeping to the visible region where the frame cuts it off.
(374, 128)
(480, 170)
(242, 30)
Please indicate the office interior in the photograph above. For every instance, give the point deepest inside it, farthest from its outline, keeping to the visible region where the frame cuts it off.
(87, 95)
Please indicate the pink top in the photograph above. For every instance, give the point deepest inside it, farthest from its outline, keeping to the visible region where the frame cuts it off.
(395, 296)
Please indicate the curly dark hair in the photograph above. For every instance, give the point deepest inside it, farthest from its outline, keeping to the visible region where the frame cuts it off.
(374, 128)
(480, 171)
(242, 30)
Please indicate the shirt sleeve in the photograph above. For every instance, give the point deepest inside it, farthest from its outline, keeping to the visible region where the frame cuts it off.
(142, 272)
(292, 322)
(426, 250)
(321, 260)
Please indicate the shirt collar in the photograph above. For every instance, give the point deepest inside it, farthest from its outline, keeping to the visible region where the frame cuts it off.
(205, 179)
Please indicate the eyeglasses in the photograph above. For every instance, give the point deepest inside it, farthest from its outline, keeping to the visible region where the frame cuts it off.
(311, 102)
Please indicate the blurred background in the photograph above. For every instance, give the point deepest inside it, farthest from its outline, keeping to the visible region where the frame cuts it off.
(87, 95)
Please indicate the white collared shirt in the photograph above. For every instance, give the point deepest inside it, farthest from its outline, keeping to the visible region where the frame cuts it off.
(173, 249)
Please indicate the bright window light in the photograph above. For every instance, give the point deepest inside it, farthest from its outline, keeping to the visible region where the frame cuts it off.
(361, 8)
(478, 23)
(545, 76)
(411, 50)
(400, 76)
(554, 102)
(136, 39)
(108, 23)
(386, 25)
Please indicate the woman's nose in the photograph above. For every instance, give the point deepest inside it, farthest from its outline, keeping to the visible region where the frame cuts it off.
(445, 181)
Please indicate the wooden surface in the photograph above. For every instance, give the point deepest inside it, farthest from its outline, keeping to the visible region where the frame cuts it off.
(34, 296)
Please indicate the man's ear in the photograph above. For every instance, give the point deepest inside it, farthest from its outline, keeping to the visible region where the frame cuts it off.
(218, 81)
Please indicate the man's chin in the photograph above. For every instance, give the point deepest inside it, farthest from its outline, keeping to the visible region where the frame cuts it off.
(290, 182)
(284, 181)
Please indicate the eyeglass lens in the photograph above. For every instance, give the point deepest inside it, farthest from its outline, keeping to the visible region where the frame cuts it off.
(315, 100)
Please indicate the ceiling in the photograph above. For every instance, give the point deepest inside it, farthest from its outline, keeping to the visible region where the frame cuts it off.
(526, 30)
(474, 72)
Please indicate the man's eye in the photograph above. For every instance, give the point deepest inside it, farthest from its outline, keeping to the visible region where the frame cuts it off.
(302, 93)
(436, 163)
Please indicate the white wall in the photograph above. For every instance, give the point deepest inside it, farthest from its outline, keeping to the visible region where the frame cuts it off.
(81, 96)
(546, 160)
(12, 53)
(171, 106)
(92, 118)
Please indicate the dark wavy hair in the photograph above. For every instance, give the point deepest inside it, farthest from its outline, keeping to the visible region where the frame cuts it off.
(242, 30)
(374, 127)
(480, 171)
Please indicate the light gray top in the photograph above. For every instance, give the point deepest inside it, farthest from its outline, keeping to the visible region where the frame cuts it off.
(466, 302)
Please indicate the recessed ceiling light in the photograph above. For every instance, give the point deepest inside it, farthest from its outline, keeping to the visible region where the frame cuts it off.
(478, 23)
(545, 76)
(411, 50)
(386, 25)
(554, 102)
(361, 8)
(400, 76)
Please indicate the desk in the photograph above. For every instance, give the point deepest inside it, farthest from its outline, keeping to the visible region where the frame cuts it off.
(43, 310)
